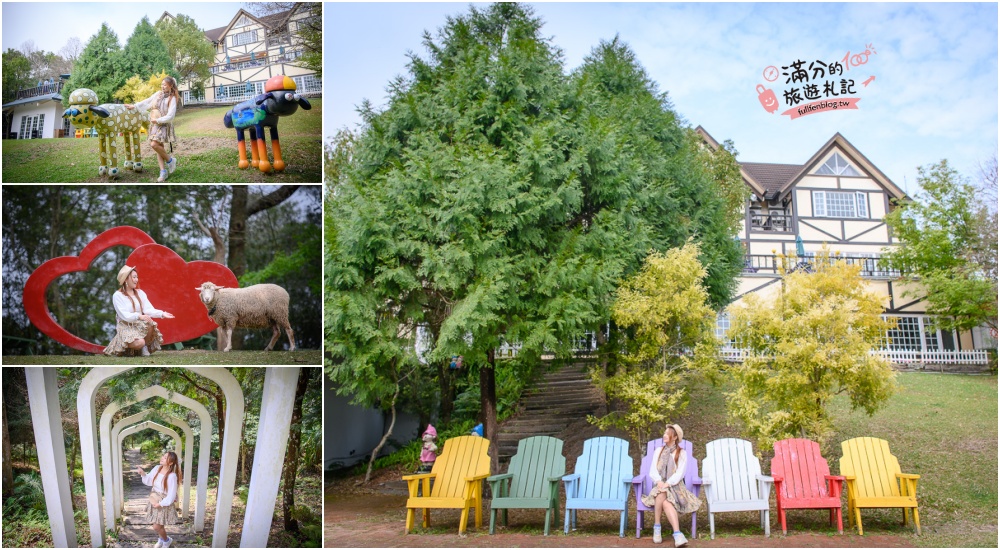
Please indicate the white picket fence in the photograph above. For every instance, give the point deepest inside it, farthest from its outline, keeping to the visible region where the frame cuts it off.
(898, 357)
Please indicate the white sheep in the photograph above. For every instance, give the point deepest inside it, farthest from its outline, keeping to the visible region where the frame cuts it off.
(256, 306)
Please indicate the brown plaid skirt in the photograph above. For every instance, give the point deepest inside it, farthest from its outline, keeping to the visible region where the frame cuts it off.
(683, 500)
(163, 515)
(128, 331)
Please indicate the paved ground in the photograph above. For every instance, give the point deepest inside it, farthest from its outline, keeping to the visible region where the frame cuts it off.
(135, 532)
(378, 520)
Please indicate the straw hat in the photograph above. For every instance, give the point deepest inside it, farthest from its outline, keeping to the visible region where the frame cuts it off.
(123, 274)
(678, 431)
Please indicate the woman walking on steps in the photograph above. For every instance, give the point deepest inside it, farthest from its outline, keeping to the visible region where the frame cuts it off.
(161, 509)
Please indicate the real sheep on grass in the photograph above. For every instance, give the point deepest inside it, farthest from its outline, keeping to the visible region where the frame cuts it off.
(256, 306)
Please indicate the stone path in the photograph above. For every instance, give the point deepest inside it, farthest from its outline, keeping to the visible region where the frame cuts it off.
(136, 532)
(561, 398)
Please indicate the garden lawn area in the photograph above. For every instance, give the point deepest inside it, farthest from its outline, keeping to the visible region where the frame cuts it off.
(206, 153)
(941, 427)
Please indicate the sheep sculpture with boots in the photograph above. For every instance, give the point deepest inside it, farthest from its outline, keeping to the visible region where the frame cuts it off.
(255, 306)
(108, 120)
(279, 99)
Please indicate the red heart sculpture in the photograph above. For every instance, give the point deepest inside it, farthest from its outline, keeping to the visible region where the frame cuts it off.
(34, 289)
(169, 282)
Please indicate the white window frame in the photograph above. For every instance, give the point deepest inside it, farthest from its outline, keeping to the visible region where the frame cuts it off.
(304, 83)
(241, 39)
(855, 208)
(839, 167)
(929, 339)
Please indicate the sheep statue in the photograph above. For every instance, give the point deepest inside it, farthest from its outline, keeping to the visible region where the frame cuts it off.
(262, 111)
(109, 120)
(255, 306)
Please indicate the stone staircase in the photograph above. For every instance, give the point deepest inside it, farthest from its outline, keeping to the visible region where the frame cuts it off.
(562, 397)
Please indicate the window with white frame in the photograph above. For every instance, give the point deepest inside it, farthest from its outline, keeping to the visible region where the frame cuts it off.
(307, 83)
(840, 204)
(906, 335)
(837, 166)
(239, 91)
(242, 38)
(722, 326)
(32, 127)
(243, 21)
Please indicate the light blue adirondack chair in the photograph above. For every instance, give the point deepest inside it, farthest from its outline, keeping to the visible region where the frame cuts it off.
(642, 484)
(602, 479)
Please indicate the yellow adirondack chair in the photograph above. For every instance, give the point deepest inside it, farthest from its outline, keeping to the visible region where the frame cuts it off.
(458, 475)
(875, 481)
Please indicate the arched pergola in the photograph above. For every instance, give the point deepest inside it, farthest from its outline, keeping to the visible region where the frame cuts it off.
(117, 438)
(113, 506)
(272, 440)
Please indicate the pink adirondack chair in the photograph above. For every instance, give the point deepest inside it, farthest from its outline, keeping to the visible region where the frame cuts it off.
(802, 480)
(641, 484)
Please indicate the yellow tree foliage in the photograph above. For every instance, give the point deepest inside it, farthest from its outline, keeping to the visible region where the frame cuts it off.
(664, 310)
(813, 341)
(137, 89)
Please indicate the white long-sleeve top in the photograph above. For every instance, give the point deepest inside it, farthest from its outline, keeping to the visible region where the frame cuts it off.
(166, 485)
(154, 101)
(654, 474)
(126, 310)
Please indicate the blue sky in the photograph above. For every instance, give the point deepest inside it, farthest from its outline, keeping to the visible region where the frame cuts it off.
(934, 96)
(23, 21)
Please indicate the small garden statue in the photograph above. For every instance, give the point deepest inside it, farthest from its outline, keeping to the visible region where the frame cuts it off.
(478, 430)
(263, 111)
(109, 120)
(428, 453)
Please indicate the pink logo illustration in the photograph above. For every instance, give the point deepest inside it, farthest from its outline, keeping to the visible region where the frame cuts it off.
(767, 98)
(816, 87)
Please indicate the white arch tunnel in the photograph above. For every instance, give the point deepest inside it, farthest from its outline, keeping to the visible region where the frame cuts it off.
(112, 507)
(272, 441)
(118, 472)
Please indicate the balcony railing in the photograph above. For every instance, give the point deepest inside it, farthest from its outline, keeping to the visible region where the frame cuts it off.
(871, 267)
(44, 89)
(772, 221)
(897, 357)
(287, 57)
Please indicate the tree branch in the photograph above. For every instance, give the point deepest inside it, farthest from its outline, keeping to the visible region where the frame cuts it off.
(271, 199)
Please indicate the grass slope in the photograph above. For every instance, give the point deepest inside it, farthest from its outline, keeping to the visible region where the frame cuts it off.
(206, 153)
(941, 427)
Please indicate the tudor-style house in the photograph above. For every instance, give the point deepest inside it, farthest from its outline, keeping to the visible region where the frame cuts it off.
(838, 197)
(248, 51)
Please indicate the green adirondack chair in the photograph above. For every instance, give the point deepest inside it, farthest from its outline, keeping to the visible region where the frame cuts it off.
(531, 481)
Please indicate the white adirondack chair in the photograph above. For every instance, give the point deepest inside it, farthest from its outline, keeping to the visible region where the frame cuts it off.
(731, 478)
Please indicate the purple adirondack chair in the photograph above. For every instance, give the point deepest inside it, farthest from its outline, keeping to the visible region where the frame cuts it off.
(642, 484)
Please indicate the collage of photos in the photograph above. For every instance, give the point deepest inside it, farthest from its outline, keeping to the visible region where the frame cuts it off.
(539, 274)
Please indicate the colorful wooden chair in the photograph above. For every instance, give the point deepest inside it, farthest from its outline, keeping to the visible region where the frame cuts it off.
(732, 480)
(531, 481)
(458, 476)
(601, 479)
(874, 480)
(802, 480)
(641, 484)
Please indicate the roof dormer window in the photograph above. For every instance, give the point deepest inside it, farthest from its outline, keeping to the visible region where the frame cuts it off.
(837, 166)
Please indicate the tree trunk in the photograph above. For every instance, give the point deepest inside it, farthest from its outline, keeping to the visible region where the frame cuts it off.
(378, 448)
(447, 389)
(72, 467)
(292, 455)
(8, 470)
(488, 400)
(241, 209)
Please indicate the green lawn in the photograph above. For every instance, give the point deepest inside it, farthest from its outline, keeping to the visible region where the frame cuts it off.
(206, 153)
(941, 427)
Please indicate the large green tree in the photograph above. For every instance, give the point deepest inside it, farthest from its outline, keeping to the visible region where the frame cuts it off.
(99, 67)
(16, 74)
(497, 199)
(145, 54)
(948, 248)
(187, 46)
